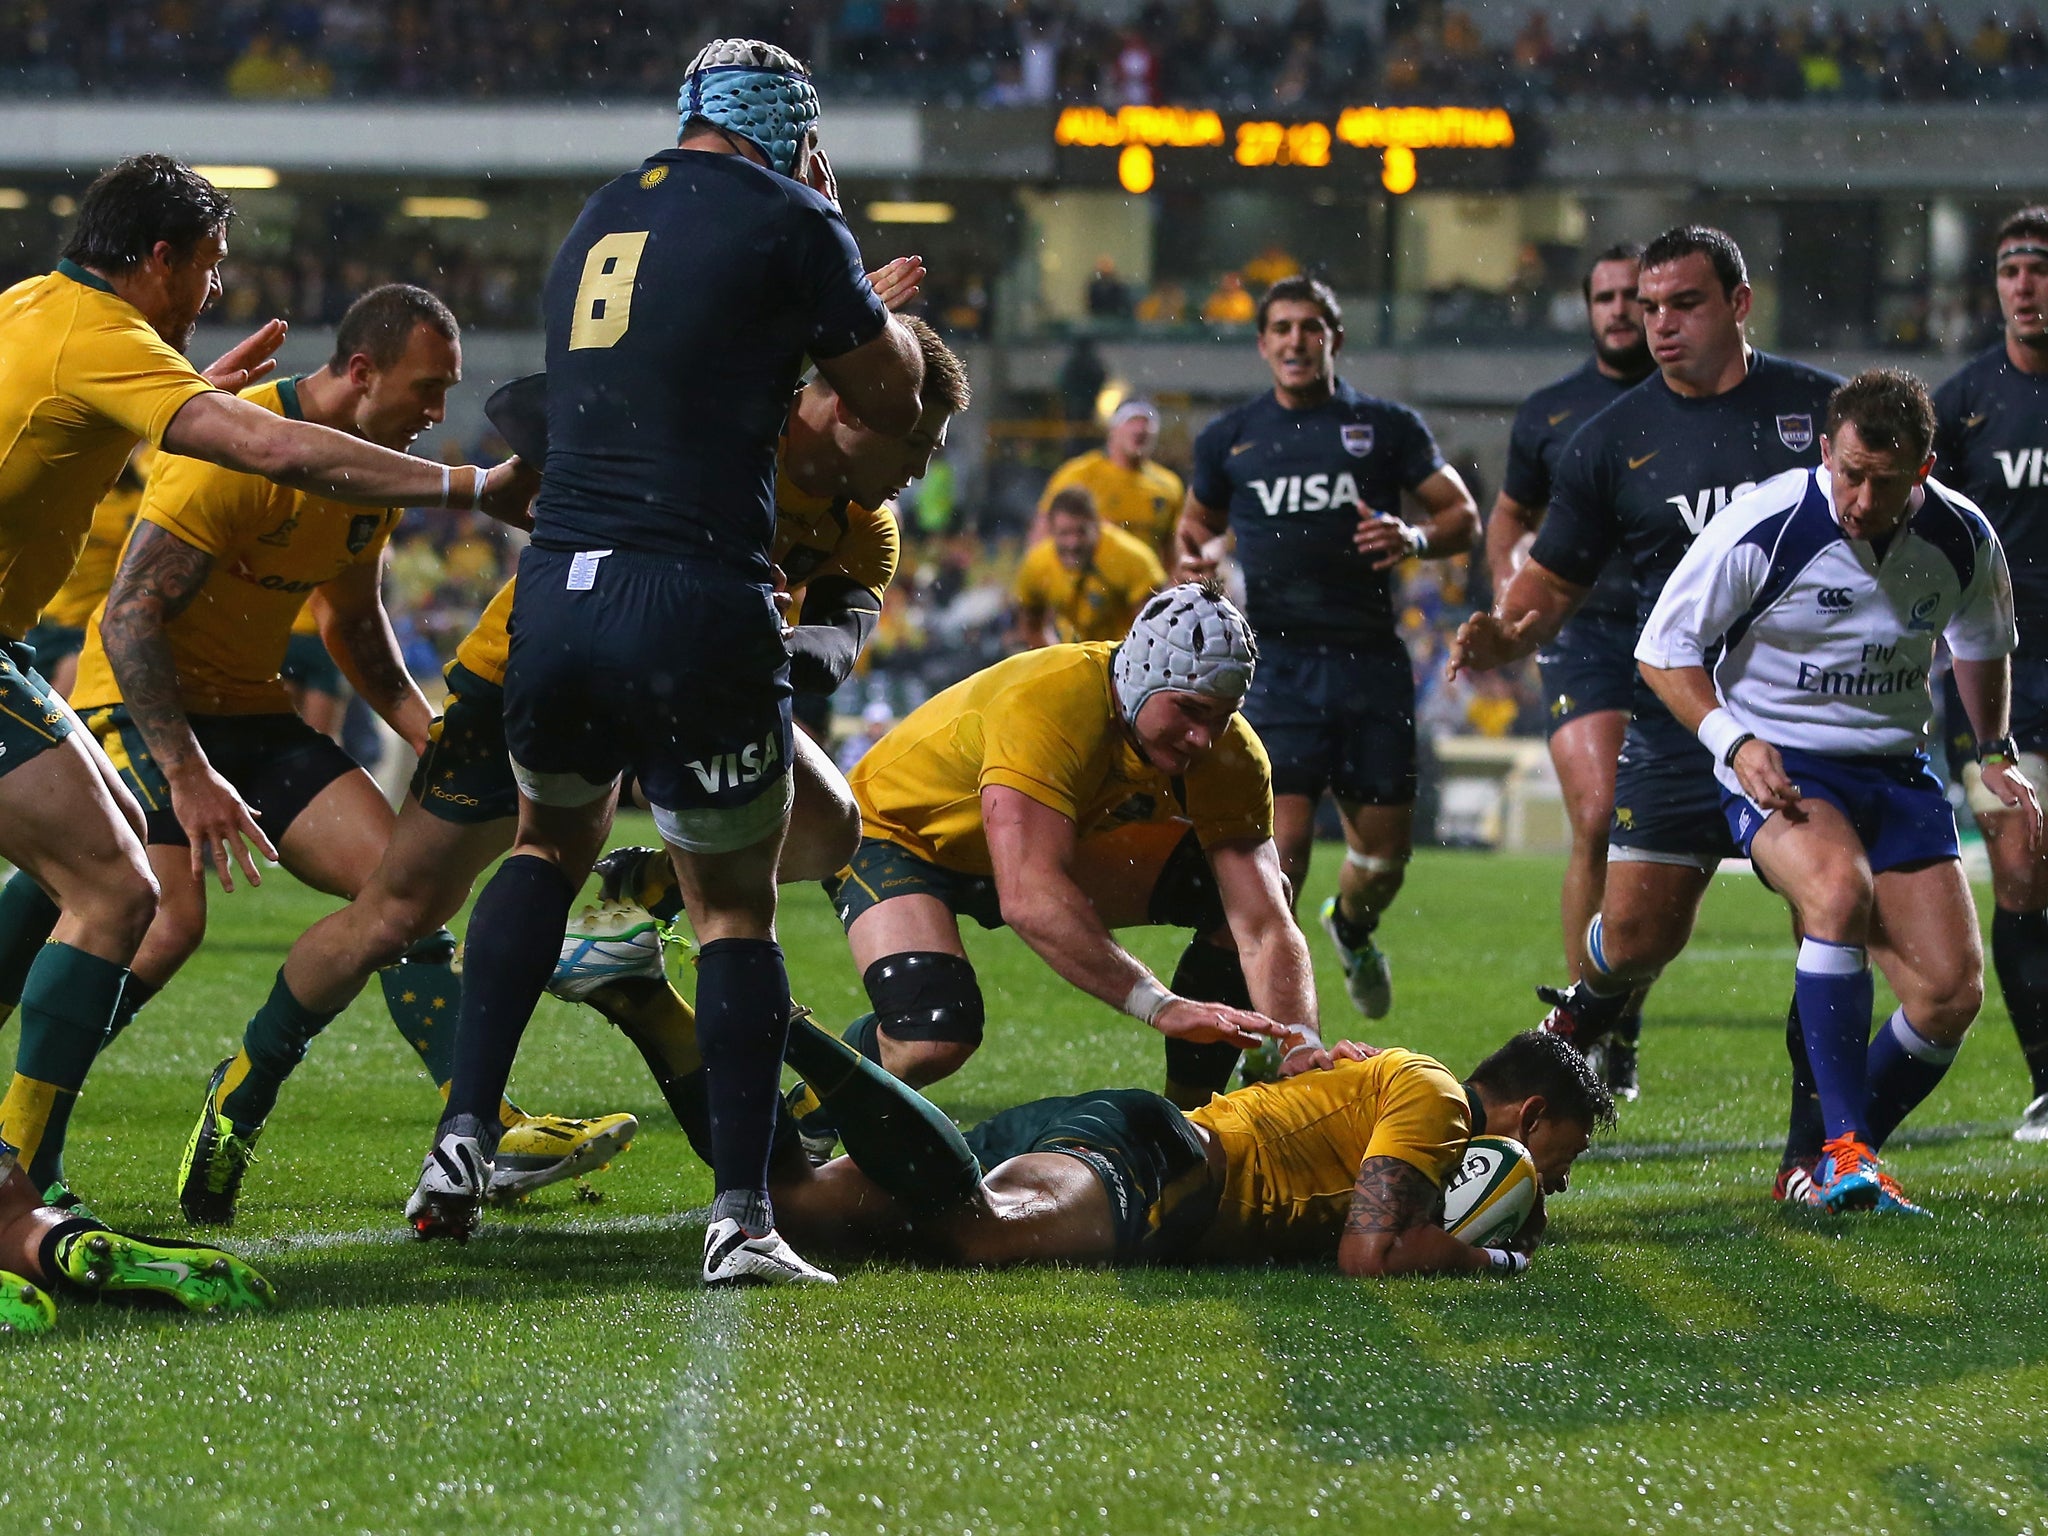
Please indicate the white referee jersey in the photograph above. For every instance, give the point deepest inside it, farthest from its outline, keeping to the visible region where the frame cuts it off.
(1825, 647)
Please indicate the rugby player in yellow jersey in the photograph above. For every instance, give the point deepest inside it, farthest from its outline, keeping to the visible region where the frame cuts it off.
(1132, 490)
(1085, 580)
(59, 634)
(91, 361)
(1345, 1162)
(1065, 793)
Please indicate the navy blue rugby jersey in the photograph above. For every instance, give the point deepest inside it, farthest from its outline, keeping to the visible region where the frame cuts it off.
(679, 310)
(1543, 426)
(1290, 483)
(1991, 443)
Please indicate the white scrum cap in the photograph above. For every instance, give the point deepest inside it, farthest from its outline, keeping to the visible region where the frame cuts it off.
(1189, 640)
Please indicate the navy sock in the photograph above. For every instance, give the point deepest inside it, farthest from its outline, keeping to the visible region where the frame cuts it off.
(2019, 953)
(1835, 994)
(1903, 1067)
(1804, 1130)
(515, 933)
(742, 1028)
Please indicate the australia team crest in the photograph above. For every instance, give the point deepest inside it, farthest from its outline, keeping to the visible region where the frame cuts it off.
(1357, 438)
(1796, 432)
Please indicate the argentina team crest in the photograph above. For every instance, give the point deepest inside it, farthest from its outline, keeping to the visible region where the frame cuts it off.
(1796, 432)
(1357, 438)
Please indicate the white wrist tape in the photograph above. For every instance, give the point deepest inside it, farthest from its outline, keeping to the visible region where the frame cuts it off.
(446, 478)
(1720, 731)
(1146, 998)
(1506, 1261)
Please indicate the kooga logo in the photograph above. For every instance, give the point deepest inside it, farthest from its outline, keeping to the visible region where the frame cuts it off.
(1835, 600)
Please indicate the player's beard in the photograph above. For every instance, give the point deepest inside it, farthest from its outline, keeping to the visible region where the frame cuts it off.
(1629, 362)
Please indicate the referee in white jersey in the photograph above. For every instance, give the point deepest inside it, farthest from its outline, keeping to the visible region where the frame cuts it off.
(1826, 590)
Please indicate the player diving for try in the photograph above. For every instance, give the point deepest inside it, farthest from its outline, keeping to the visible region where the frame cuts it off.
(1826, 591)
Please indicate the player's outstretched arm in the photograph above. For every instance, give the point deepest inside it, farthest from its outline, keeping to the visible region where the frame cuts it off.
(357, 633)
(1270, 946)
(1393, 1227)
(1526, 616)
(159, 576)
(1509, 528)
(1688, 692)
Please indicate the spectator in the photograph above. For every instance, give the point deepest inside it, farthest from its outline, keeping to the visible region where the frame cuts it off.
(1229, 303)
(1108, 298)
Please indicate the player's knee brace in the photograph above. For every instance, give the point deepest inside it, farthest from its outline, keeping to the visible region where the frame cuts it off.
(926, 994)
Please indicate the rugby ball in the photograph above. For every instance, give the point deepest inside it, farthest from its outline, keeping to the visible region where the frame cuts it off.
(1492, 1192)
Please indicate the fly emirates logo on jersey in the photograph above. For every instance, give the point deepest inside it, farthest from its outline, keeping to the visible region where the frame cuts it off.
(1306, 493)
(1700, 507)
(1879, 670)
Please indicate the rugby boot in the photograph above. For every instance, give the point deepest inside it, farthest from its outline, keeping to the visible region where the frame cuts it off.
(1581, 1015)
(1795, 1183)
(1368, 975)
(67, 1200)
(1261, 1064)
(644, 876)
(731, 1257)
(539, 1150)
(1618, 1070)
(216, 1158)
(1846, 1179)
(199, 1279)
(610, 941)
(449, 1199)
(1891, 1198)
(25, 1307)
(2033, 1124)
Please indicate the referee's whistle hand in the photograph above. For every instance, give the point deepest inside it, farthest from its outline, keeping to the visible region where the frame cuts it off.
(1761, 772)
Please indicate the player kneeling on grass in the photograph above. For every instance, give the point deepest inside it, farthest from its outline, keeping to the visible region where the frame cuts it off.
(1826, 590)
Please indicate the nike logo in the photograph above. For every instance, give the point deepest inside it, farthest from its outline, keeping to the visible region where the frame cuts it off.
(179, 1273)
(1639, 463)
(1974, 421)
(1237, 448)
(1560, 416)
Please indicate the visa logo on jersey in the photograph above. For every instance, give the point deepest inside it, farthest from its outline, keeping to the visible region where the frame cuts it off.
(1306, 493)
(1698, 508)
(2021, 467)
(729, 770)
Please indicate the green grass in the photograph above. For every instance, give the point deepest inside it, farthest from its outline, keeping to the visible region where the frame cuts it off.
(1685, 1356)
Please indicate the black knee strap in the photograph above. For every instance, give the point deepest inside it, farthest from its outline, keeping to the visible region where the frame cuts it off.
(925, 994)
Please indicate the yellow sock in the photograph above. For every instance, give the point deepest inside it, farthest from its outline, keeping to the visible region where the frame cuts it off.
(656, 1018)
(25, 1114)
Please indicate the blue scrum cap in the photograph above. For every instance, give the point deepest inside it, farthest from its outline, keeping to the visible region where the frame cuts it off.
(753, 89)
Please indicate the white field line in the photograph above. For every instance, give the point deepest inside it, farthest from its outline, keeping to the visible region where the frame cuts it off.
(673, 1491)
(494, 1231)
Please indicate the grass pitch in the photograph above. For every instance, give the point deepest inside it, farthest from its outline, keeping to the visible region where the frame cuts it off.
(1684, 1355)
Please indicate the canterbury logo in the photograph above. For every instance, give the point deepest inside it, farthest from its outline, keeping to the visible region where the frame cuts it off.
(1835, 600)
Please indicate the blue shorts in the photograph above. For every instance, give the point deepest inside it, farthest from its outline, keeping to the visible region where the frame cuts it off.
(1589, 668)
(1667, 802)
(1895, 803)
(672, 669)
(2029, 714)
(1336, 718)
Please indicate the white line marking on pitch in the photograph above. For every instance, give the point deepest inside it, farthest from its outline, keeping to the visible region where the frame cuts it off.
(493, 1231)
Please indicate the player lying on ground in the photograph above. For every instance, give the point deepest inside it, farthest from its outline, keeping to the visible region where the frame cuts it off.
(91, 361)
(1827, 589)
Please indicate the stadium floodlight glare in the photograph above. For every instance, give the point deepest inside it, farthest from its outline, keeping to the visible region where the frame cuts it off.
(13, 198)
(445, 208)
(238, 177)
(1134, 169)
(910, 213)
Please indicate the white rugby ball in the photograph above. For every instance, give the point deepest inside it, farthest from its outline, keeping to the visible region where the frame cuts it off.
(1492, 1192)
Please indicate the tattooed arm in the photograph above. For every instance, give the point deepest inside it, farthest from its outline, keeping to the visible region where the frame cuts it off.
(357, 633)
(159, 576)
(1394, 1229)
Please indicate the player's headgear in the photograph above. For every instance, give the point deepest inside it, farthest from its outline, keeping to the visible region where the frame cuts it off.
(753, 89)
(1190, 639)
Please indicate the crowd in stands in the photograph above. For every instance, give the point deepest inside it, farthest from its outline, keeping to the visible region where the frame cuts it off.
(1011, 52)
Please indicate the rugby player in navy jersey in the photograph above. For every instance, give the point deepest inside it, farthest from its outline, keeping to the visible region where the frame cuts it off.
(644, 632)
(1644, 477)
(1310, 478)
(1588, 671)
(1991, 443)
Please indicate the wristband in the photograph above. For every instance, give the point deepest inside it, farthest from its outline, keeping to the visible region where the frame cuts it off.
(1146, 998)
(1505, 1261)
(476, 489)
(2004, 750)
(1721, 734)
(446, 481)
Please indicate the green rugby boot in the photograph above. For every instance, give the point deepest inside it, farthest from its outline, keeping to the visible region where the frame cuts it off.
(199, 1279)
(67, 1200)
(216, 1158)
(25, 1307)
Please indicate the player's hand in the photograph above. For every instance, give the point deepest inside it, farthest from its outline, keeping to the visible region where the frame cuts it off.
(899, 282)
(1206, 1023)
(1203, 563)
(1761, 772)
(249, 359)
(509, 489)
(2016, 792)
(1311, 1055)
(1484, 642)
(819, 178)
(1385, 539)
(220, 828)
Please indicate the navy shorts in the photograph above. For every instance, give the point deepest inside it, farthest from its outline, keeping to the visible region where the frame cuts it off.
(2029, 714)
(1667, 802)
(1590, 667)
(1895, 803)
(278, 764)
(673, 669)
(1338, 719)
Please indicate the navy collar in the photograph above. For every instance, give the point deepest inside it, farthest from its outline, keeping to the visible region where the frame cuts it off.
(66, 267)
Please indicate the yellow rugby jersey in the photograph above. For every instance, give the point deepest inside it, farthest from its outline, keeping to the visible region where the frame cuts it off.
(82, 376)
(1099, 601)
(814, 536)
(1044, 723)
(94, 573)
(1294, 1149)
(271, 547)
(1145, 501)
(307, 622)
